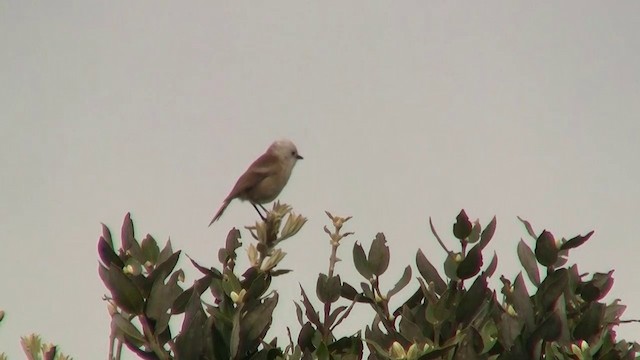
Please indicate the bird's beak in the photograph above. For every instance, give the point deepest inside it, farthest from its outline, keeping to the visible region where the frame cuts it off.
(299, 157)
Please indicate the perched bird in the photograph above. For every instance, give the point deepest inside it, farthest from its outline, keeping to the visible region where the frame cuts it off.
(265, 178)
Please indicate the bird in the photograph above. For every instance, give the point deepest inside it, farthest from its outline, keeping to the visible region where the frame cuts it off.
(265, 178)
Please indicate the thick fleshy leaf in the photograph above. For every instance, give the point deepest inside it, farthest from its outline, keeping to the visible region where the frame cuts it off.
(451, 266)
(231, 244)
(445, 305)
(328, 289)
(309, 311)
(199, 286)
(472, 300)
(429, 273)
(493, 265)
(124, 292)
(546, 249)
(107, 255)
(613, 312)
(509, 329)
(366, 290)
(305, 338)
(334, 315)
(576, 241)
(402, 282)
(298, 313)
(348, 291)
(528, 261)
(551, 288)
(127, 233)
(550, 329)
(521, 301)
(360, 261)
(106, 234)
(189, 343)
(164, 269)
(125, 327)
(150, 249)
(379, 255)
(163, 296)
(258, 287)
(166, 252)
(256, 322)
(475, 232)
(529, 228)
(487, 233)
(471, 264)
(462, 227)
(214, 273)
(351, 345)
(590, 321)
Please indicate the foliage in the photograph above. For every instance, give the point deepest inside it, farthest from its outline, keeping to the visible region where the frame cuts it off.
(34, 349)
(560, 315)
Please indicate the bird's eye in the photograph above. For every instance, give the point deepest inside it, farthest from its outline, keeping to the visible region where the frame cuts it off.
(293, 153)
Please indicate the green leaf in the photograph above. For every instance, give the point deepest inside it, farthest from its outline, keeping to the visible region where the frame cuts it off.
(162, 297)
(528, 261)
(258, 286)
(447, 304)
(165, 268)
(334, 315)
(429, 273)
(462, 227)
(472, 300)
(322, 353)
(125, 327)
(402, 282)
(546, 249)
(576, 241)
(348, 292)
(256, 322)
(475, 232)
(360, 260)
(231, 244)
(328, 289)
(305, 338)
(551, 288)
(129, 242)
(550, 329)
(451, 266)
(521, 301)
(590, 322)
(150, 249)
(597, 287)
(180, 304)
(471, 264)
(235, 343)
(166, 252)
(379, 255)
(124, 292)
(487, 233)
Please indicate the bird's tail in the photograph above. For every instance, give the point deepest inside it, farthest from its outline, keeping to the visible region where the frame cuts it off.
(220, 211)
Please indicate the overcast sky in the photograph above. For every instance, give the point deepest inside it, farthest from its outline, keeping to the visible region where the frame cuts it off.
(402, 110)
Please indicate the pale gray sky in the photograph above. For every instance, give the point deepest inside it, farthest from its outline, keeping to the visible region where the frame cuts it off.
(403, 110)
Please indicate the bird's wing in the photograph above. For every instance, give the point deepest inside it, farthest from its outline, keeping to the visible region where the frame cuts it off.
(264, 166)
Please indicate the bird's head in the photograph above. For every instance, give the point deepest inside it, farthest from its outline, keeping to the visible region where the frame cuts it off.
(285, 149)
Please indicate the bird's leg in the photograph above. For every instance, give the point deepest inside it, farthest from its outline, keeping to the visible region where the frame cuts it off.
(259, 213)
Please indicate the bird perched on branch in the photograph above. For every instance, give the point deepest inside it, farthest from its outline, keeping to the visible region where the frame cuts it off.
(265, 178)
